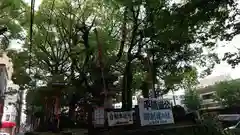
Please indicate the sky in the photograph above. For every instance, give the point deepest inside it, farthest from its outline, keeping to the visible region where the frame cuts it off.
(224, 68)
(219, 69)
(37, 2)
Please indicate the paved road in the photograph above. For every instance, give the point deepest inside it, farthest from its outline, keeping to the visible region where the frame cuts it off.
(20, 133)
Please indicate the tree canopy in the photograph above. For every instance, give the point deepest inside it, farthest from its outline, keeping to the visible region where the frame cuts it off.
(12, 17)
(192, 100)
(148, 45)
(228, 92)
(143, 45)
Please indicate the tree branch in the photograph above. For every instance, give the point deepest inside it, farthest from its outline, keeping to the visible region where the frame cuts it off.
(124, 35)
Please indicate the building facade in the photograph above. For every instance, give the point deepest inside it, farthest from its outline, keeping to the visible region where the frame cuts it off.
(207, 94)
(3, 86)
(4, 59)
(10, 111)
(175, 99)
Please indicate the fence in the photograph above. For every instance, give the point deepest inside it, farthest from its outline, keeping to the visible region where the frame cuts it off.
(165, 130)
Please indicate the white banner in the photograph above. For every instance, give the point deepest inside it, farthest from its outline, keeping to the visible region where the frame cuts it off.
(99, 118)
(120, 118)
(155, 112)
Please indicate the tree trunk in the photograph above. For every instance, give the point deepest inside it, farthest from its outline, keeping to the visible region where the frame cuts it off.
(19, 110)
(72, 107)
(127, 82)
(145, 90)
(90, 120)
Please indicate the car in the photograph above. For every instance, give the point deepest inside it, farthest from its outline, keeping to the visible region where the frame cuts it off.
(233, 129)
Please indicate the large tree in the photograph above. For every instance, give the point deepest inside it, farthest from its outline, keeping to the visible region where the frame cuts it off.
(163, 39)
(174, 44)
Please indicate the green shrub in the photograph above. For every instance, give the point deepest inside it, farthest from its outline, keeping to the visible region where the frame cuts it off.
(212, 126)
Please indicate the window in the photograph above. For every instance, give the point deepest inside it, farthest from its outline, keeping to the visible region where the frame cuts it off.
(228, 117)
(207, 96)
(7, 117)
(13, 118)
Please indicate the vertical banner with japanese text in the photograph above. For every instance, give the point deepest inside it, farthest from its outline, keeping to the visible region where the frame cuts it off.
(99, 117)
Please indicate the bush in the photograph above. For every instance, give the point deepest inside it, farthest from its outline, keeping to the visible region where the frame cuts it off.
(178, 113)
(212, 126)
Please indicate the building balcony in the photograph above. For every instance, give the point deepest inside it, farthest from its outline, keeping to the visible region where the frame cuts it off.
(210, 104)
(209, 101)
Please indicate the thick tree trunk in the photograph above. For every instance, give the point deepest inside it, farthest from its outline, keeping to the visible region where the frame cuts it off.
(72, 107)
(145, 89)
(127, 83)
(90, 120)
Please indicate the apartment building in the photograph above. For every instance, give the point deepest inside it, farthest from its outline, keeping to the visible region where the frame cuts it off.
(207, 94)
(8, 111)
(5, 75)
(175, 98)
(3, 86)
(5, 60)
(10, 101)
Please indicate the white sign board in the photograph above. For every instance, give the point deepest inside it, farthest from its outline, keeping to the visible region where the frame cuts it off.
(155, 112)
(229, 117)
(99, 116)
(120, 118)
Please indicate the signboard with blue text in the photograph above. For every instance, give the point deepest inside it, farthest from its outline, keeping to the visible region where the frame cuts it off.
(120, 118)
(155, 112)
